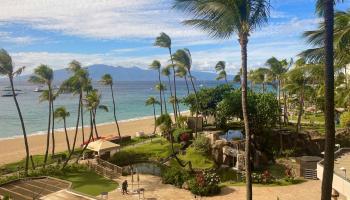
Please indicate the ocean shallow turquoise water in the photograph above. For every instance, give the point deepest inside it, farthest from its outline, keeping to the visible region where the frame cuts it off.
(130, 98)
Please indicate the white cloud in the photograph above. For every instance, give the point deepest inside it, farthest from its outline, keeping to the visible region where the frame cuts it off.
(7, 37)
(103, 19)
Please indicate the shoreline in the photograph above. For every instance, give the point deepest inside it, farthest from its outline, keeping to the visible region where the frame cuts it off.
(44, 132)
(13, 150)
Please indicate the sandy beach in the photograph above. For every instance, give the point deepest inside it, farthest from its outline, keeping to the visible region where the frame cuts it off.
(13, 149)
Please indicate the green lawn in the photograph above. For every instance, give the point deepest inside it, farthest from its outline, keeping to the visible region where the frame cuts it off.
(155, 150)
(198, 159)
(89, 182)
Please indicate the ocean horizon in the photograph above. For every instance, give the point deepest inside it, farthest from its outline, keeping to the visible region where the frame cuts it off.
(130, 100)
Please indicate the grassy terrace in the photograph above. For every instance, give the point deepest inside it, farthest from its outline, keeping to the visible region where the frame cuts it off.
(88, 182)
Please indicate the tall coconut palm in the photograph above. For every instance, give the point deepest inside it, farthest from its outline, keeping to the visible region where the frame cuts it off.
(7, 69)
(326, 8)
(166, 72)
(45, 96)
(156, 66)
(75, 85)
(278, 68)
(220, 68)
(223, 19)
(182, 73)
(108, 81)
(61, 113)
(161, 88)
(183, 59)
(93, 102)
(164, 41)
(153, 101)
(43, 74)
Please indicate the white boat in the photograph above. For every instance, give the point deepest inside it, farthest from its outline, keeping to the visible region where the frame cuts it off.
(38, 89)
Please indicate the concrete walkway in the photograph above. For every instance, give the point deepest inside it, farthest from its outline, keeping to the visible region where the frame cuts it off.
(155, 190)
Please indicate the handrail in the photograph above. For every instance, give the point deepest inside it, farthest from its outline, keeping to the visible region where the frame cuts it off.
(337, 154)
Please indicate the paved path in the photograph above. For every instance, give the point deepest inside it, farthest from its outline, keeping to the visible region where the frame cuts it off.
(155, 190)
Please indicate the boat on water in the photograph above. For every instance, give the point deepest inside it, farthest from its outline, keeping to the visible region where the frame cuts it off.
(9, 89)
(38, 89)
(9, 94)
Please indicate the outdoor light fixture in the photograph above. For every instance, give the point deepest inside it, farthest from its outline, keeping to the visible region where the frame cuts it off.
(343, 169)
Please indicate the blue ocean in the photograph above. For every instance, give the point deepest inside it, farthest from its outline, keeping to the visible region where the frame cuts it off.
(130, 99)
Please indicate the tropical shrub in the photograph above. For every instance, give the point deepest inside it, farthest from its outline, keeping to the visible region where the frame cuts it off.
(205, 183)
(262, 109)
(175, 176)
(182, 135)
(202, 144)
(208, 99)
(345, 120)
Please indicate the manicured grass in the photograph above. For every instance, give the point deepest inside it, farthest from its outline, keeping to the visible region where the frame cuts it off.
(155, 150)
(136, 140)
(198, 159)
(38, 161)
(88, 182)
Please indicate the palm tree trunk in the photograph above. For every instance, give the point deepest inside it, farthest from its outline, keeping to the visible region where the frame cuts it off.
(301, 108)
(329, 102)
(188, 89)
(164, 100)
(76, 131)
(53, 130)
(279, 102)
(115, 113)
(22, 124)
(244, 42)
(48, 129)
(226, 79)
(171, 93)
(197, 104)
(94, 121)
(174, 77)
(82, 123)
(89, 139)
(160, 94)
(155, 119)
(285, 108)
(65, 131)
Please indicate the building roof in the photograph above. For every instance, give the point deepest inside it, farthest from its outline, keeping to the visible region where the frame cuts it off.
(100, 145)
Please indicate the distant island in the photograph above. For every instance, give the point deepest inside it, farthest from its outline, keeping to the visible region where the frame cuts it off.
(125, 74)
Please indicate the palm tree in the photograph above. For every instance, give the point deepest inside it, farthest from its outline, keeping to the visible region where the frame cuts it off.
(76, 84)
(93, 100)
(183, 59)
(153, 101)
(164, 41)
(61, 113)
(108, 81)
(222, 19)
(156, 66)
(182, 73)
(166, 72)
(7, 69)
(326, 8)
(220, 67)
(161, 88)
(44, 75)
(278, 68)
(297, 84)
(45, 96)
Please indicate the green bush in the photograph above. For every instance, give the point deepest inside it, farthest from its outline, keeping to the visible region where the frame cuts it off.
(345, 120)
(179, 132)
(175, 176)
(202, 144)
(206, 183)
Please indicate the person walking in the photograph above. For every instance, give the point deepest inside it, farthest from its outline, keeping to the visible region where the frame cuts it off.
(125, 187)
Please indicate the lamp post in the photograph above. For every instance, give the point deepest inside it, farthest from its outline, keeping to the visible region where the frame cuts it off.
(343, 169)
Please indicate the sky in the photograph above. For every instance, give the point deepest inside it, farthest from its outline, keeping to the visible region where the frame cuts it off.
(122, 33)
